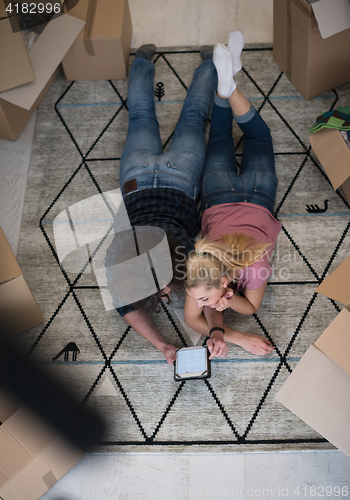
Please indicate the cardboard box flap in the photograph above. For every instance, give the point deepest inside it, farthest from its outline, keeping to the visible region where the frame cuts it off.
(40, 474)
(337, 285)
(328, 145)
(13, 456)
(335, 341)
(332, 16)
(23, 477)
(318, 392)
(46, 54)
(9, 269)
(30, 483)
(16, 68)
(19, 310)
(30, 430)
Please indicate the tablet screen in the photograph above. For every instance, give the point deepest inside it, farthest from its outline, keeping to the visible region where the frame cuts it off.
(191, 361)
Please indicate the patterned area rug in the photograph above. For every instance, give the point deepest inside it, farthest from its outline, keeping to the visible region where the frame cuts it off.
(80, 132)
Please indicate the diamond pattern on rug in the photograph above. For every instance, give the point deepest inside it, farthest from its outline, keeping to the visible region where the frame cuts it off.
(106, 363)
(310, 182)
(208, 420)
(271, 421)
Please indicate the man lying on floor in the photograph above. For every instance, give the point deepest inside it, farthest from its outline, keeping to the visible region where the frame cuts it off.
(161, 189)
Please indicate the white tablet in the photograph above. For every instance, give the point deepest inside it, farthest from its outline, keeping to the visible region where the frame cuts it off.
(192, 363)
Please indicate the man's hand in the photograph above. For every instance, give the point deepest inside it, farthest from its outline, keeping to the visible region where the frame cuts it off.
(254, 344)
(224, 302)
(140, 321)
(169, 352)
(216, 345)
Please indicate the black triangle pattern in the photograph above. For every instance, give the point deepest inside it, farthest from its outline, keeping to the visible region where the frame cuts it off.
(227, 419)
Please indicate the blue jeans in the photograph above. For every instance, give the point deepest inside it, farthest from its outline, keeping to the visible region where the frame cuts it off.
(256, 181)
(181, 167)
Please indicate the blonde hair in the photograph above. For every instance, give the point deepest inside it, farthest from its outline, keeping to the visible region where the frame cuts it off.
(211, 261)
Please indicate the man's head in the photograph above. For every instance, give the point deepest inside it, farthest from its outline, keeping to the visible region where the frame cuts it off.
(142, 264)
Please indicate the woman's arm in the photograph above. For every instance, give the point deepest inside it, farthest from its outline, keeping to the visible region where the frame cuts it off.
(249, 304)
(213, 317)
(195, 319)
(248, 341)
(256, 296)
(203, 324)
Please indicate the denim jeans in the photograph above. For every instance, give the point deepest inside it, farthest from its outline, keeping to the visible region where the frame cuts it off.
(256, 181)
(181, 167)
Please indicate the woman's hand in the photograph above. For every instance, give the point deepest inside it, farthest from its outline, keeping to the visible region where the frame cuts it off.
(225, 302)
(254, 344)
(217, 346)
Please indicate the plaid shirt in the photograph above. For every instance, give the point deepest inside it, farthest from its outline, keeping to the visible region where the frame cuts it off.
(170, 209)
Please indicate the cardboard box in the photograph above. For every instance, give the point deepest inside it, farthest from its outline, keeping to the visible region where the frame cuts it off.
(15, 65)
(312, 63)
(318, 390)
(19, 310)
(101, 51)
(334, 156)
(32, 456)
(18, 104)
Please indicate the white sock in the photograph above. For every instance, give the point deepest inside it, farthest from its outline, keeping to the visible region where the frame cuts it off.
(235, 46)
(223, 63)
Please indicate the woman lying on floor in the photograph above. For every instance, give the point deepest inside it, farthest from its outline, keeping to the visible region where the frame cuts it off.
(238, 227)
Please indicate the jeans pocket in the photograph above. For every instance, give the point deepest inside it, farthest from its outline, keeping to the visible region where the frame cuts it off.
(266, 184)
(218, 182)
(188, 163)
(134, 164)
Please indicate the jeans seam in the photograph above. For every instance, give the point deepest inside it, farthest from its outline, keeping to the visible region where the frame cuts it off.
(262, 191)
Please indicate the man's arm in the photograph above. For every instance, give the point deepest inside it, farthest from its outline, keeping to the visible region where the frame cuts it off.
(140, 321)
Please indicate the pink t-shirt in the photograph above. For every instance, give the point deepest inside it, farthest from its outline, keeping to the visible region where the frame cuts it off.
(252, 220)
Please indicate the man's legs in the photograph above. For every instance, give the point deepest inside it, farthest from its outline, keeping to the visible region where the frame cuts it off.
(189, 134)
(143, 132)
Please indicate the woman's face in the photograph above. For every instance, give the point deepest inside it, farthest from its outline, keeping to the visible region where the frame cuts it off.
(206, 296)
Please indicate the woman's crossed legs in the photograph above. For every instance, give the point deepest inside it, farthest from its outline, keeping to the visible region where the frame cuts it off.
(256, 181)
